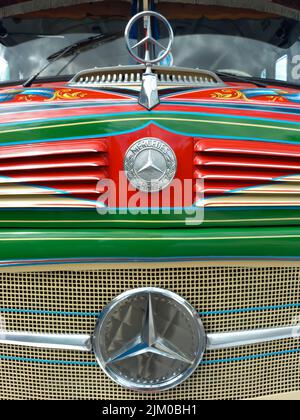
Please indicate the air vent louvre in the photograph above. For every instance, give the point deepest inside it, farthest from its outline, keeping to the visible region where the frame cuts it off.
(54, 174)
(243, 173)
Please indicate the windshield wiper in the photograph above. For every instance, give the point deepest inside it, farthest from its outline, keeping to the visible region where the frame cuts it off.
(245, 79)
(76, 47)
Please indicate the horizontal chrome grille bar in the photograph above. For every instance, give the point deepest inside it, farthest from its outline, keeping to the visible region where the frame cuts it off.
(246, 338)
(81, 342)
(77, 342)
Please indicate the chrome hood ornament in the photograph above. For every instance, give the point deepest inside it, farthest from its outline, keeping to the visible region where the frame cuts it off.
(149, 339)
(154, 52)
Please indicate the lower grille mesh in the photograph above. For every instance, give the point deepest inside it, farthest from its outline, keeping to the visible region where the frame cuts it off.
(235, 380)
(229, 298)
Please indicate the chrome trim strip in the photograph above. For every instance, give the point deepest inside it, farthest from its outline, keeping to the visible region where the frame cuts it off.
(246, 338)
(131, 76)
(83, 343)
(75, 342)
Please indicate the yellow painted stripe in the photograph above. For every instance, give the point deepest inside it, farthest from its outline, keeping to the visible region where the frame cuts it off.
(254, 220)
(152, 239)
(149, 118)
(92, 221)
(151, 221)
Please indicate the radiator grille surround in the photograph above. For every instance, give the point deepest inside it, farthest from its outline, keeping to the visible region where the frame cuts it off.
(229, 297)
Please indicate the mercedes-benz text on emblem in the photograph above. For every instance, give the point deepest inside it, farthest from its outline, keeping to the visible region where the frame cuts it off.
(150, 164)
(149, 339)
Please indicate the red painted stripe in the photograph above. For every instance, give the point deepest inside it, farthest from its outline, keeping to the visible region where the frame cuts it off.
(119, 109)
(245, 162)
(228, 112)
(237, 174)
(51, 114)
(247, 147)
(233, 203)
(80, 175)
(47, 163)
(216, 189)
(53, 148)
(220, 187)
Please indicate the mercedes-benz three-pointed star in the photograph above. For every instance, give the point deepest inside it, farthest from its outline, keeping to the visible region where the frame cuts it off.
(149, 342)
(150, 164)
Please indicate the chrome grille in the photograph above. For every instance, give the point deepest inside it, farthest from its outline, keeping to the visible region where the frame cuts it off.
(132, 75)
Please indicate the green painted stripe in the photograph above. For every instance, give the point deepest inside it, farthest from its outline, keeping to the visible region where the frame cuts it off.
(153, 115)
(78, 218)
(257, 243)
(190, 125)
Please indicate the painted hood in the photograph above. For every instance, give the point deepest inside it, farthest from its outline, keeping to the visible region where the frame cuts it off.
(238, 146)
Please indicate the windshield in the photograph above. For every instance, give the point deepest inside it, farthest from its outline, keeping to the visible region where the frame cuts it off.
(238, 41)
(30, 41)
(264, 48)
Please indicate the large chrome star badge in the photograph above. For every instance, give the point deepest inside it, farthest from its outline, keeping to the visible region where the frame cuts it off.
(150, 164)
(149, 339)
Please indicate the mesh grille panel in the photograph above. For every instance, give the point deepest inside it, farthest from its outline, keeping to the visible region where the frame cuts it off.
(68, 301)
(237, 380)
(208, 289)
